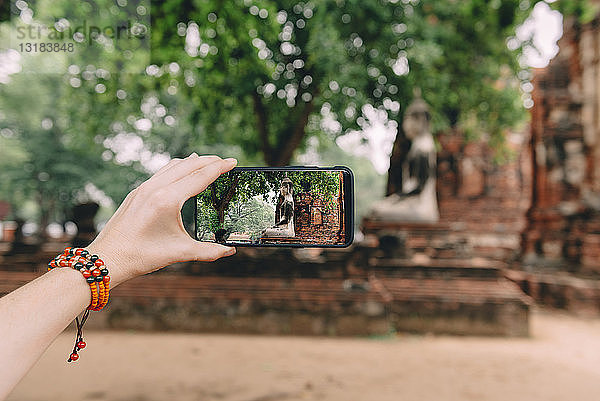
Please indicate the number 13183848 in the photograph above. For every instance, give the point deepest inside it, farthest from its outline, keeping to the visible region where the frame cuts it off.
(34, 47)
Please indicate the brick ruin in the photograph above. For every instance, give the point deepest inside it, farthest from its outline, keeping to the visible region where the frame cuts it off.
(563, 230)
(317, 221)
(320, 220)
(560, 264)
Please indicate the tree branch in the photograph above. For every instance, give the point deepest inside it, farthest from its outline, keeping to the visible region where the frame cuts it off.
(230, 191)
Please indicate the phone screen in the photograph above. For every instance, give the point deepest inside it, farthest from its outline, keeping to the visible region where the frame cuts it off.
(300, 206)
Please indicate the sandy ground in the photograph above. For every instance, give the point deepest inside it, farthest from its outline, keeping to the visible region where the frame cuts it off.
(561, 361)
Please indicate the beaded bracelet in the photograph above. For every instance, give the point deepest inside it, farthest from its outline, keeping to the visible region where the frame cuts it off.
(96, 275)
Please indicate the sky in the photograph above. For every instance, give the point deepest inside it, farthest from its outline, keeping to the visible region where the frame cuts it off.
(545, 25)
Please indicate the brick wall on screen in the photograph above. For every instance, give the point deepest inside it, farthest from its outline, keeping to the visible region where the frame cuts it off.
(316, 220)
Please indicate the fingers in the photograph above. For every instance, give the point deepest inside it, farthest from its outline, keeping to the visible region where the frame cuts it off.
(196, 182)
(206, 251)
(164, 175)
(181, 169)
(170, 164)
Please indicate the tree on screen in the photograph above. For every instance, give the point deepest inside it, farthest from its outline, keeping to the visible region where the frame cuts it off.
(240, 187)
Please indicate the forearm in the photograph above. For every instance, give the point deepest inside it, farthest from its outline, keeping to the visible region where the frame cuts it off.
(33, 316)
(145, 234)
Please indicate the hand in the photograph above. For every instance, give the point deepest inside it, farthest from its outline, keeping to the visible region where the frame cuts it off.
(146, 232)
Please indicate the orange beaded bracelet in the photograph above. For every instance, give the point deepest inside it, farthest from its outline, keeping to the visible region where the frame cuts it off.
(96, 275)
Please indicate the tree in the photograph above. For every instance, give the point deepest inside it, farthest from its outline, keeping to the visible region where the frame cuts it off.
(54, 125)
(56, 147)
(268, 74)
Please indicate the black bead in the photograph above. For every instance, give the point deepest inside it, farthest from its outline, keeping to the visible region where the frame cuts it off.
(84, 253)
(78, 265)
(104, 272)
(89, 265)
(99, 279)
(71, 251)
(94, 258)
(68, 257)
(90, 279)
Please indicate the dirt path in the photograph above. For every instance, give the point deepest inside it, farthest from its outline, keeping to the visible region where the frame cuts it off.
(560, 362)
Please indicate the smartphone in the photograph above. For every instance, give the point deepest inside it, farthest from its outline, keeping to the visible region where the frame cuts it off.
(296, 206)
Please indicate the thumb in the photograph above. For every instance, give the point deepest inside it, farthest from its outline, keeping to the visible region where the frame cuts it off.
(206, 251)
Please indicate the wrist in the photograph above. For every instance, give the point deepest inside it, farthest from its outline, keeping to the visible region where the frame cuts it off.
(116, 268)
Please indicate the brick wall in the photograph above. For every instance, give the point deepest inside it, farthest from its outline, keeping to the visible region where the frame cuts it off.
(563, 229)
(317, 220)
(479, 194)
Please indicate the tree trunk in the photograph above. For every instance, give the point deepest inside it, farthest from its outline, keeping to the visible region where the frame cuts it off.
(282, 153)
(261, 120)
(220, 205)
(45, 210)
(290, 142)
(221, 214)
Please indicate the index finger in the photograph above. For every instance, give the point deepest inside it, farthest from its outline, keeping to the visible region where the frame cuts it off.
(200, 179)
(181, 170)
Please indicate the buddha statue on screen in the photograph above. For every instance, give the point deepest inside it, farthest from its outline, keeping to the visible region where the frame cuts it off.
(416, 200)
(284, 212)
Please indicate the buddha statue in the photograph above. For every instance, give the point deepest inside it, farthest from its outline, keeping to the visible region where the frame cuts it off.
(416, 200)
(284, 212)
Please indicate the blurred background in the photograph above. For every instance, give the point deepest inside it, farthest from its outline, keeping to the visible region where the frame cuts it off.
(496, 298)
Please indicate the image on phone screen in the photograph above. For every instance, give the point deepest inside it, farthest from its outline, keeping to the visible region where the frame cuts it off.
(277, 207)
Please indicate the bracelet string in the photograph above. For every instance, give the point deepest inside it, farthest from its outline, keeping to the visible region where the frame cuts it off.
(96, 275)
